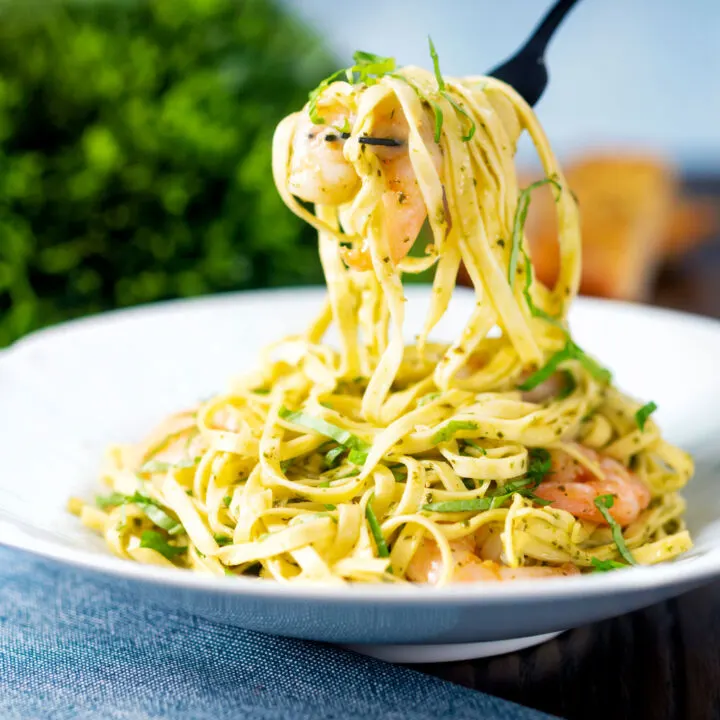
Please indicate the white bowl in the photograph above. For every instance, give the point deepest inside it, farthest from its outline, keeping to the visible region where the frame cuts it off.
(69, 391)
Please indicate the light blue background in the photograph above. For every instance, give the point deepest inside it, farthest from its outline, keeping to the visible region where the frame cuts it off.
(624, 73)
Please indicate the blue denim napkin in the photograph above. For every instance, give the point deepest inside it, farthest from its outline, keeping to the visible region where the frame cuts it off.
(72, 646)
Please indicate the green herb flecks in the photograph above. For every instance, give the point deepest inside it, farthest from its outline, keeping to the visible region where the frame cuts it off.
(382, 548)
(642, 415)
(156, 541)
(223, 540)
(450, 430)
(603, 503)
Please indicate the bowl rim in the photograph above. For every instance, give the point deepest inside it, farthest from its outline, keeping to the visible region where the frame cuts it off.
(684, 571)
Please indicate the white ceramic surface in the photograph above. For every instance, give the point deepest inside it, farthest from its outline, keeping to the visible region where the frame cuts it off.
(68, 391)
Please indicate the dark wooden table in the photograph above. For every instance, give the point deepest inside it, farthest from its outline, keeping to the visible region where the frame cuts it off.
(662, 663)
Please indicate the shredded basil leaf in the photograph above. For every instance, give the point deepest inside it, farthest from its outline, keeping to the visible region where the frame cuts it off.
(382, 548)
(569, 387)
(156, 541)
(368, 67)
(155, 513)
(340, 436)
(475, 446)
(332, 457)
(569, 352)
(603, 503)
(642, 415)
(461, 111)
(436, 64)
(521, 212)
(538, 467)
(535, 311)
(112, 500)
(149, 507)
(606, 565)
(454, 426)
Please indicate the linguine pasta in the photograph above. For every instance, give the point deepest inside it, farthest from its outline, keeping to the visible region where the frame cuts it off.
(377, 461)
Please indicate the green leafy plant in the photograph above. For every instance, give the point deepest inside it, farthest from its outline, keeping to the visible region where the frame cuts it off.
(135, 153)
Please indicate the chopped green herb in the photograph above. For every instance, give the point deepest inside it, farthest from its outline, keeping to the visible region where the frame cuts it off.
(332, 457)
(539, 465)
(324, 484)
(349, 474)
(538, 468)
(519, 224)
(261, 391)
(318, 425)
(475, 446)
(367, 68)
(569, 386)
(286, 464)
(382, 548)
(535, 311)
(461, 111)
(436, 64)
(156, 541)
(344, 128)
(603, 503)
(606, 565)
(642, 415)
(357, 457)
(450, 429)
(223, 540)
(227, 500)
(569, 352)
(330, 507)
(149, 507)
(111, 500)
(155, 513)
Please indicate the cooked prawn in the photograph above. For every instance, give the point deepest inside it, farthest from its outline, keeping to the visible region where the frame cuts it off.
(320, 172)
(573, 487)
(426, 566)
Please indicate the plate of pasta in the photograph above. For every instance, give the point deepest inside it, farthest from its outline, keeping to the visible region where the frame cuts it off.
(423, 471)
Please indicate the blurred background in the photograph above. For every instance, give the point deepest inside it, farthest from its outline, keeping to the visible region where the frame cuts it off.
(135, 141)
